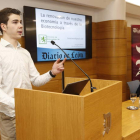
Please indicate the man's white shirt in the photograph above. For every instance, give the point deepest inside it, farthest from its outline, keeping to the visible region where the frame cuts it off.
(17, 70)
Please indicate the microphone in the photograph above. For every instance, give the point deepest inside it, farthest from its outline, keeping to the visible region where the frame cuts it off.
(53, 43)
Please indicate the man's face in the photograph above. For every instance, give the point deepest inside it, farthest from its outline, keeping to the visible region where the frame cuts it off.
(14, 27)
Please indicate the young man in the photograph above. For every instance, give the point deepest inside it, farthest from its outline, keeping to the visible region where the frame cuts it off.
(17, 70)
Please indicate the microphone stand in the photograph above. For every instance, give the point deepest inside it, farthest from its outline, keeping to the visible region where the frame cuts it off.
(63, 80)
(76, 65)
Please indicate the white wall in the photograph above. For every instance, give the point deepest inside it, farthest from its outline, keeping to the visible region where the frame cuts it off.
(114, 11)
(132, 14)
(133, 9)
(48, 4)
(90, 3)
(132, 21)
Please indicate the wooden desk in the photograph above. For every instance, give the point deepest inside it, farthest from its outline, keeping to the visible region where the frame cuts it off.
(130, 122)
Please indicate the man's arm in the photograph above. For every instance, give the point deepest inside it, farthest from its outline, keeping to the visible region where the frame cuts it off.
(39, 80)
(35, 77)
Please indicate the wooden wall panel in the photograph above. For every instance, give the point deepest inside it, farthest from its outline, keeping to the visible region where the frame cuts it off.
(128, 34)
(111, 51)
(94, 45)
(129, 75)
(129, 50)
(115, 77)
(111, 47)
(89, 66)
(129, 62)
(111, 29)
(22, 41)
(112, 65)
(94, 28)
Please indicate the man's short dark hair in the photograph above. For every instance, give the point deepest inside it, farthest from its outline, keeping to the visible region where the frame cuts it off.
(5, 13)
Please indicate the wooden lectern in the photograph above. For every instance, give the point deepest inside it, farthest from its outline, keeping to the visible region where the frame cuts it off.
(44, 115)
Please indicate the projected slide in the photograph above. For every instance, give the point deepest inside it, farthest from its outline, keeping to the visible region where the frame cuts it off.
(67, 30)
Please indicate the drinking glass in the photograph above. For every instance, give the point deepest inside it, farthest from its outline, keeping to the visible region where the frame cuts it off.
(133, 97)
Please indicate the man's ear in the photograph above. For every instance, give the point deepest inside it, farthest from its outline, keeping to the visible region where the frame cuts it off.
(3, 26)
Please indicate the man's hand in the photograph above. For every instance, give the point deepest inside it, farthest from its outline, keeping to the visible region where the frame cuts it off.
(58, 66)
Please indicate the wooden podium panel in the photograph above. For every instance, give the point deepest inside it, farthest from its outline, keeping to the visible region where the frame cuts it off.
(44, 115)
(130, 122)
(101, 102)
(107, 98)
(48, 116)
